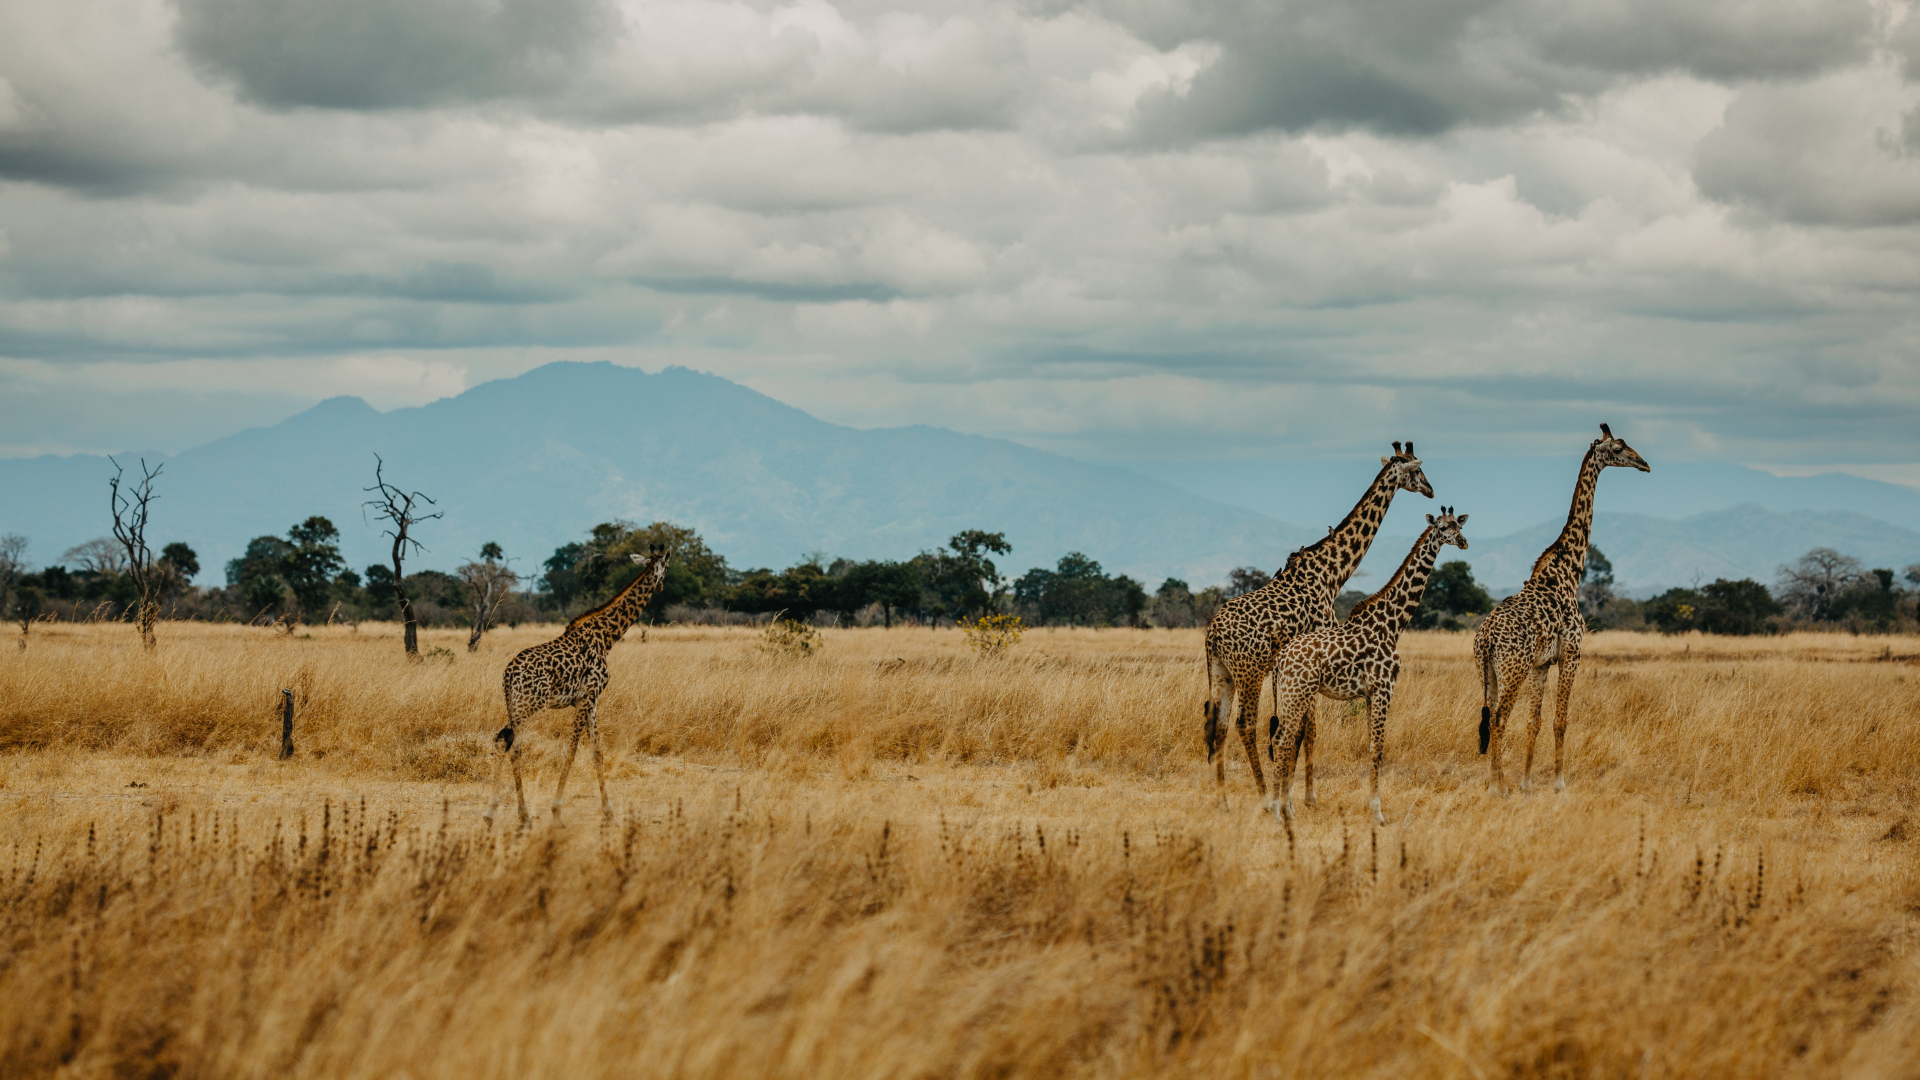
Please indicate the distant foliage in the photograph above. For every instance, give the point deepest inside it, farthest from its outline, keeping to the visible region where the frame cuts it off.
(1725, 607)
(1077, 592)
(1451, 595)
(993, 635)
(1175, 606)
(1246, 579)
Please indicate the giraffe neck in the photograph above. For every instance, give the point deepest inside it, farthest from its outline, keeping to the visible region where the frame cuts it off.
(1393, 607)
(1566, 558)
(1331, 561)
(605, 624)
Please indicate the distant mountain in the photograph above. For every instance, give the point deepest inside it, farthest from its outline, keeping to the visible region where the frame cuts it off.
(535, 461)
(1650, 554)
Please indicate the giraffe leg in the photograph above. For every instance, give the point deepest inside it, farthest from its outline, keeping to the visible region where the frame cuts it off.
(507, 739)
(1378, 703)
(1220, 696)
(582, 720)
(600, 769)
(1537, 696)
(1563, 693)
(1509, 691)
(1289, 740)
(1309, 727)
(1245, 707)
(519, 792)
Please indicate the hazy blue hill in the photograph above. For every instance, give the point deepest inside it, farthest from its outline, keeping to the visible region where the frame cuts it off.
(536, 460)
(1651, 554)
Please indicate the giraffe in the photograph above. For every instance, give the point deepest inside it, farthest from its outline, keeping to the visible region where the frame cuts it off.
(1246, 635)
(1541, 625)
(572, 670)
(1355, 659)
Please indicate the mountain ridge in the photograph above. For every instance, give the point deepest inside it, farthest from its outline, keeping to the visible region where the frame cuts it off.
(534, 461)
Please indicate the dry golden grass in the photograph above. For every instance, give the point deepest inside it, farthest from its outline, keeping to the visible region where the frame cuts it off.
(896, 859)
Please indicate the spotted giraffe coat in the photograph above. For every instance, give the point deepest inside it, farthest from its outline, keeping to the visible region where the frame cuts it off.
(1541, 625)
(1246, 635)
(571, 671)
(1356, 659)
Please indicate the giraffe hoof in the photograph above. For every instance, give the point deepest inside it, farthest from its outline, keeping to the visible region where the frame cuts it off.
(1310, 802)
(1560, 785)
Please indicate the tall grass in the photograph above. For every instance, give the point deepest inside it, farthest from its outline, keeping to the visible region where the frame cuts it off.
(894, 858)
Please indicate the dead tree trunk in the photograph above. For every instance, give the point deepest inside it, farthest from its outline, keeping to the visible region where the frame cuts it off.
(130, 528)
(400, 509)
(286, 726)
(412, 633)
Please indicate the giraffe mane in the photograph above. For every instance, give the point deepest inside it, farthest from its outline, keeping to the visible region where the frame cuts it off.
(1559, 541)
(1315, 547)
(1395, 579)
(616, 598)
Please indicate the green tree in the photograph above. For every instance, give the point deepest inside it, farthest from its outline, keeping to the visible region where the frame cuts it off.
(1078, 592)
(799, 591)
(1596, 584)
(312, 564)
(561, 581)
(1673, 612)
(176, 569)
(259, 575)
(1246, 579)
(1451, 592)
(961, 574)
(1870, 603)
(593, 571)
(1736, 607)
(892, 585)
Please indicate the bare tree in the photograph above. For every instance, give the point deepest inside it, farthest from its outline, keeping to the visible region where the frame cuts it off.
(1811, 583)
(488, 582)
(401, 511)
(130, 508)
(101, 555)
(13, 566)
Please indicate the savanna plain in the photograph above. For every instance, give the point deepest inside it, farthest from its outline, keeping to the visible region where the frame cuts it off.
(896, 858)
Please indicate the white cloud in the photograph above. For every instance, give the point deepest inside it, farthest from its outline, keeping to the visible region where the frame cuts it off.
(1118, 230)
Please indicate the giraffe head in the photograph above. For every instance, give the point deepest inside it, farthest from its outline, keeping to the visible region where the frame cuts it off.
(655, 560)
(1405, 470)
(1446, 528)
(1615, 451)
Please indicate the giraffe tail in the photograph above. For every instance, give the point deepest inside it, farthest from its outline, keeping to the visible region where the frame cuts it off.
(505, 737)
(1489, 687)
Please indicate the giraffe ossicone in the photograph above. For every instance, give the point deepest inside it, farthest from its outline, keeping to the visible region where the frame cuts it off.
(571, 670)
(1355, 659)
(1541, 626)
(1246, 634)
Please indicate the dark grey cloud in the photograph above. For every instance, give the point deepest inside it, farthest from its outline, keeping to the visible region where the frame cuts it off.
(386, 54)
(1421, 68)
(1472, 213)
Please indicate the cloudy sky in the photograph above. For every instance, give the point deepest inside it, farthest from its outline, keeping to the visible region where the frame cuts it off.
(1121, 229)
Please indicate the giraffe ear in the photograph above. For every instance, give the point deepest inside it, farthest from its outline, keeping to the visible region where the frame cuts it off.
(1462, 519)
(1386, 461)
(1429, 519)
(636, 556)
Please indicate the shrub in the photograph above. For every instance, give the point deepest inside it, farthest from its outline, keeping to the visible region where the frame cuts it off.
(992, 635)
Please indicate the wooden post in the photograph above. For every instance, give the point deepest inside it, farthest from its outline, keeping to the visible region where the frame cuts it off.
(286, 726)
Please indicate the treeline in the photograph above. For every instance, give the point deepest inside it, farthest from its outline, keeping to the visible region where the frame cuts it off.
(300, 577)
